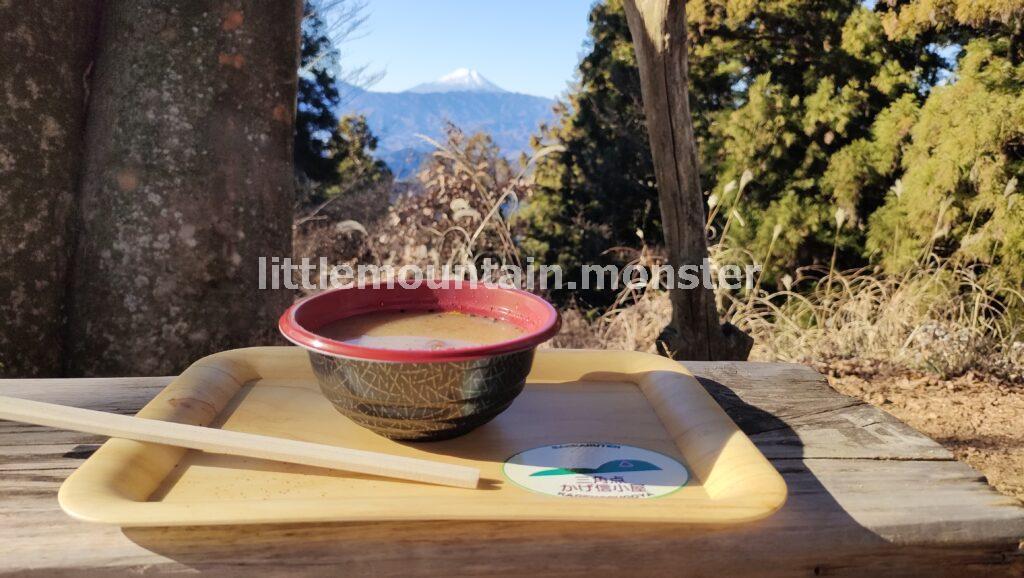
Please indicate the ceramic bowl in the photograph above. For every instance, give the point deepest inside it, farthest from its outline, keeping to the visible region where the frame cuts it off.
(421, 395)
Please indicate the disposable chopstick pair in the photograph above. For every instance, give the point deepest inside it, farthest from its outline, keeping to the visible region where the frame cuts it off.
(234, 443)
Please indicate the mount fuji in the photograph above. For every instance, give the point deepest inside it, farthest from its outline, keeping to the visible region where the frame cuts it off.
(459, 80)
(464, 98)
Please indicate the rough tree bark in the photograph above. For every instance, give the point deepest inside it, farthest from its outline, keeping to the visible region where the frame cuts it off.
(658, 28)
(45, 52)
(188, 181)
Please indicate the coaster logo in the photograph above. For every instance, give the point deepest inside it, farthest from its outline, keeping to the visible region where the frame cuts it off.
(621, 471)
(611, 467)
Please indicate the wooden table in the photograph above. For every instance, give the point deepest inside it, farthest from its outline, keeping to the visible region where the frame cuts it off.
(867, 494)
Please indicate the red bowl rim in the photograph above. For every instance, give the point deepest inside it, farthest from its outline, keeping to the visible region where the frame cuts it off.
(541, 329)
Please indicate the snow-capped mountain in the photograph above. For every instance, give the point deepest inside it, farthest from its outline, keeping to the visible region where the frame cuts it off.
(464, 98)
(459, 80)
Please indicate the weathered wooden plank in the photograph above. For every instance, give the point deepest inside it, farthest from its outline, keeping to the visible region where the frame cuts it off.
(812, 532)
(908, 502)
(896, 507)
(123, 394)
(854, 432)
(780, 390)
(790, 411)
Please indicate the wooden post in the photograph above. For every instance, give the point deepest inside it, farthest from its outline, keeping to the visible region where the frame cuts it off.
(658, 28)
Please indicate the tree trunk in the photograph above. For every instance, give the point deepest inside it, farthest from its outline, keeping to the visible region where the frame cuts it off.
(658, 28)
(188, 181)
(45, 52)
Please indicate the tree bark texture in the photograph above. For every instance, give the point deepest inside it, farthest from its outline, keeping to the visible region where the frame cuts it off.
(188, 181)
(45, 53)
(658, 28)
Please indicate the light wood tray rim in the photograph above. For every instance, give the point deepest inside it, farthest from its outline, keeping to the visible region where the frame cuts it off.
(114, 484)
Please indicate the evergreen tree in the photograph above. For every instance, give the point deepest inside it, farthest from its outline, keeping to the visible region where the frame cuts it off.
(802, 130)
(780, 89)
(318, 98)
(336, 157)
(352, 149)
(958, 195)
(599, 191)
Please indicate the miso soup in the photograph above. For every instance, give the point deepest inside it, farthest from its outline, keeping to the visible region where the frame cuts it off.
(420, 330)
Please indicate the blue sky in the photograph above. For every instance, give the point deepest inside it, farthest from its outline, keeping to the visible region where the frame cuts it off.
(529, 46)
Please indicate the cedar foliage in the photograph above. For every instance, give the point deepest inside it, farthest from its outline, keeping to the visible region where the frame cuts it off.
(958, 192)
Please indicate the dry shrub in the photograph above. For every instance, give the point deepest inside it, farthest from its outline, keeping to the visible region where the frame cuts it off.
(454, 214)
(633, 323)
(334, 230)
(457, 213)
(632, 327)
(944, 318)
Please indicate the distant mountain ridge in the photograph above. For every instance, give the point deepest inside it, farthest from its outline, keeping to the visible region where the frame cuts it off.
(464, 98)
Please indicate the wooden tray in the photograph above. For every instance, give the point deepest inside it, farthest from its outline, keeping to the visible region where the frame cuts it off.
(611, 397)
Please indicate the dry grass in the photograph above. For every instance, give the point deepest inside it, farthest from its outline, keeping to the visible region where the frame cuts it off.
(940, 318)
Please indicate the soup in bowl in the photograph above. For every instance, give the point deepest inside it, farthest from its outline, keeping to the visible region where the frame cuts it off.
(425, 363)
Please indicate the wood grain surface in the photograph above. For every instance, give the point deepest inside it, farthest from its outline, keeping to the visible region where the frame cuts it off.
(867, 495)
